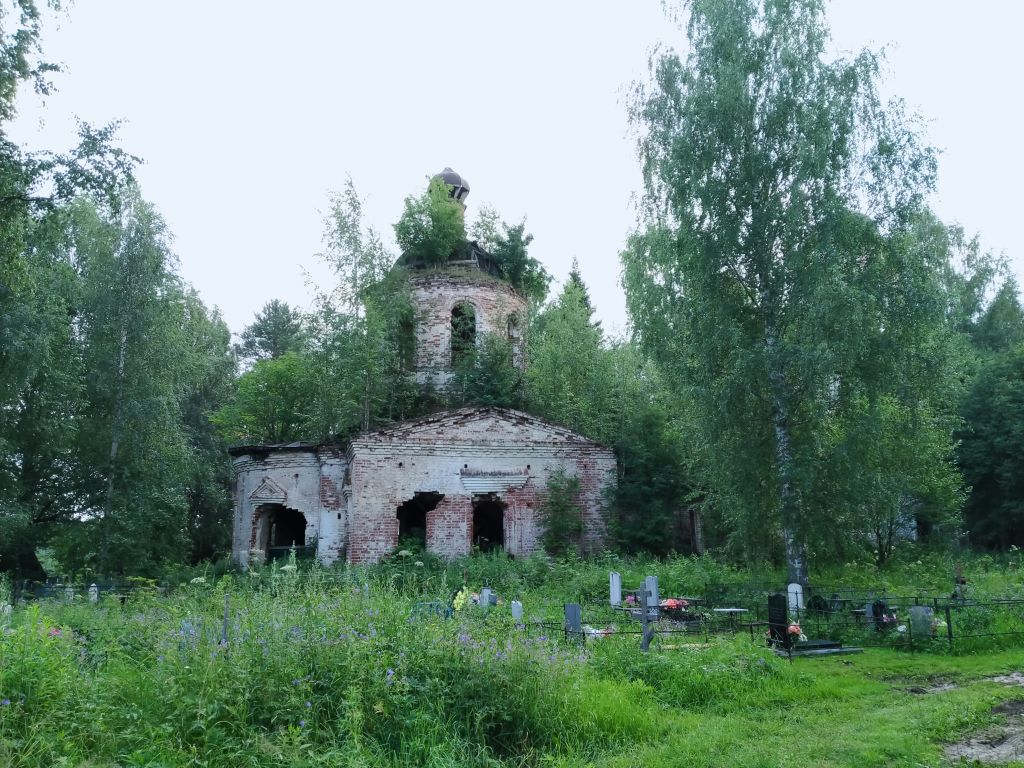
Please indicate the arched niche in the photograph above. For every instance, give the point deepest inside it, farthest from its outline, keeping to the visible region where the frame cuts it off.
(463, 331)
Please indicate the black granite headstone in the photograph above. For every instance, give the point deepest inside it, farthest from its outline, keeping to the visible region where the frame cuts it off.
(778, 620)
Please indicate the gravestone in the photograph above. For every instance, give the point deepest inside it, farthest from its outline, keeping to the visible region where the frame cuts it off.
(878, 612)
(651, 584)
(921, 618)
(778, 619)
(517, 612)
(69, 594)
(646, 630)
(795, 594)
(573, 620)
(615, 588)
(94, 593)
(485, 597)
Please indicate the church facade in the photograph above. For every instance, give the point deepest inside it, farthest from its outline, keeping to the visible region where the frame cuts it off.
(452, 482)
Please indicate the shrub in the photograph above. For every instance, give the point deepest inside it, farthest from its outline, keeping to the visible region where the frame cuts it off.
(560, 514)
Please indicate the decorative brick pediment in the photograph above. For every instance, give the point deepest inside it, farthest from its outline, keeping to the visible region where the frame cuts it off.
(269, 492)
(492, 426)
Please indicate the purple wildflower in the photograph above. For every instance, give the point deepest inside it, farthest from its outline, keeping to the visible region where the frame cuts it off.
(5, 703)
(309, 705)
(302, 723)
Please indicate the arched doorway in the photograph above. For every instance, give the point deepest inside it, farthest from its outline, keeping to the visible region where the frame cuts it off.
(279, 529)
(488, 523)
(412, 519)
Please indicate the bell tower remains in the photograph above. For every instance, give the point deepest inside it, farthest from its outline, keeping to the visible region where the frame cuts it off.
(460, 302)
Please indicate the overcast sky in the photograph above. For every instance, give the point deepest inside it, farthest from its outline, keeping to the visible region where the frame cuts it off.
(248, 113)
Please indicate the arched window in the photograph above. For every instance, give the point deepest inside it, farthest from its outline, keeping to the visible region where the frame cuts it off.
(463, 331)
(407, 343)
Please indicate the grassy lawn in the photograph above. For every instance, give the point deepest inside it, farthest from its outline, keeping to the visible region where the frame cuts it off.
(840, 711)
(320, 671)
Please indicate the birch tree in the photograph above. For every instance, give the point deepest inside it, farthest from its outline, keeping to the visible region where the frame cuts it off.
(773, 180)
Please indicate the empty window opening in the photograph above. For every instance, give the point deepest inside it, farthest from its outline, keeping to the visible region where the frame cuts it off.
(407, 343)
(279, 529)
(412, 519)
(463, 331)
(515, 340)
(488, 523)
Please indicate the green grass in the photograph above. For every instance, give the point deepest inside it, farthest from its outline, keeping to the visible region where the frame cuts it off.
(317, 674)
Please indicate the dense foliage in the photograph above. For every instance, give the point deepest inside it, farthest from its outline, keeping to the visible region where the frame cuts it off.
(817, 364)
(561, 514)
(276, 330)
(109, 364)
(432, 227)
(990, 453)
(786, 275)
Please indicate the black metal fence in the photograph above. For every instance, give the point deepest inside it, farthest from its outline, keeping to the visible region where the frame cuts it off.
(876, 617)
(846, 615)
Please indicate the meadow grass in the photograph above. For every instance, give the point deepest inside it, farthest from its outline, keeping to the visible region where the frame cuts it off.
(340, 668)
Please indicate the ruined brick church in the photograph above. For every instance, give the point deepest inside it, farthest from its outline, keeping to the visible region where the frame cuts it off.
(452, 481)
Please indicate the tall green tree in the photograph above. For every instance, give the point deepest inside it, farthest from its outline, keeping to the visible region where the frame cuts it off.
(775, 183)
(1000, 328)
(365, 324)
(132, 448)
(274, 402)
(41, 406)
(655, 483)
(276, 329)
(209, 385)
(568, 375)
(40, 360)
(509, 245)
(990, 453)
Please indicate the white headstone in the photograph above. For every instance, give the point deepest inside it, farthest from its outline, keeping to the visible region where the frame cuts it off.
(485, 596)
(94, 593)
(615, 588)
(517, 611)
(69, 593)
(796, 598)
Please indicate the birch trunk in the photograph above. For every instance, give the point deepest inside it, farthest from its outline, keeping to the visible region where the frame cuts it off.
(796, 552)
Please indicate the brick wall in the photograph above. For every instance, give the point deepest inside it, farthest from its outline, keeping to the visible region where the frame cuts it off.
(460, 455)
(436, 293)
(307, 488)
(351, 500)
